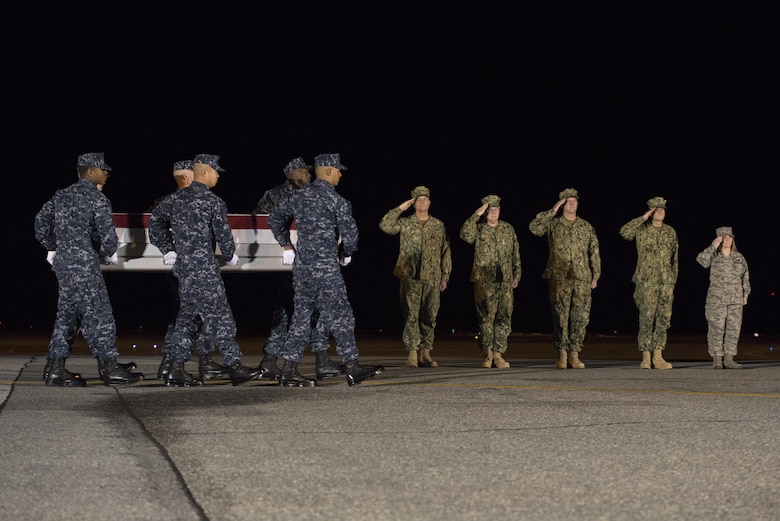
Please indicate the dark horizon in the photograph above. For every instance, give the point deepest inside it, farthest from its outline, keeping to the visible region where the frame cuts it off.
(622, 102)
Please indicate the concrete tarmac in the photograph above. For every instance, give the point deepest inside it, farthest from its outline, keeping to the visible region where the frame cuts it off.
(455, 442)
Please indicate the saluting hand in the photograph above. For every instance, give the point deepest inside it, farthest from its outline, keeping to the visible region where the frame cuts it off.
(558, 205)
(717, 241)
(647, 214)
(481, 209)
(406, 204)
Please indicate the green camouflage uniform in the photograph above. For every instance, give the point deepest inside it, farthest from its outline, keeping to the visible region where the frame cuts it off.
(654, 279)
(424, 262)
(728, 291)
(496, 266)
(574, 262)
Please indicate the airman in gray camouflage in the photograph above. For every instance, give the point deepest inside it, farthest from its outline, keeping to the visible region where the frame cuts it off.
(185, 227)
(654, 279)
(495, 274)
(573, 270)
(728, 293)
(322, 218)
(73, 226)
(423, 266)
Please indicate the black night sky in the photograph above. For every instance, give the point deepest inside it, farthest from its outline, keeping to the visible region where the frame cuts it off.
(622, 101)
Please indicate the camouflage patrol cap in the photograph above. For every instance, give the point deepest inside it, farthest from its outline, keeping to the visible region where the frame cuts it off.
(209, 159)
(656, 202)
(295, 164)
(492, 200)
(421, 190)
(723, 231)
(332, 160)
(183, 165)
(569, 192)
(93, 159)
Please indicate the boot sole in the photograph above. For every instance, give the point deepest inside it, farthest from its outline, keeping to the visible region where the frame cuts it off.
(183, 383)
(129, 381)
(297, 384)
(81, 383)
(352, 382)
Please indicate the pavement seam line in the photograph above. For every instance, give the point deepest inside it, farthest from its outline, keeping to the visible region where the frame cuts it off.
(174, 468)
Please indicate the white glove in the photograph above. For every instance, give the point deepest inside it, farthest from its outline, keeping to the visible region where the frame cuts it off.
(233, 261)
(169, 259)
(50, 257)
(288, 257)
(112, 259)
(346, 260)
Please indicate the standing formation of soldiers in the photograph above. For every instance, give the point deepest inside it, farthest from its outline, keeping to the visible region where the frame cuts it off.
(76, 228)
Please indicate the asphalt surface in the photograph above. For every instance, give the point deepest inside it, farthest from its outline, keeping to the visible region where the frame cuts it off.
(454, 442)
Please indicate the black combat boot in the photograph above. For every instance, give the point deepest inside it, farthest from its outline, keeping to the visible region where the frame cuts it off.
(327, 368)
(357, 373)
(165, 367)
(240, 374)
(178, 377)
(210, 370)
(58, 376)
(129, 365)
(113, 373)
(268, 368)
(292, 378)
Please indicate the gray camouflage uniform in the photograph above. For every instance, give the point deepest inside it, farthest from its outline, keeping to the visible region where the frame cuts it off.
(68, 224)
(574, 262)
(728, 291)
(321, 216)
(424, 262)
(654, 279)
(189, 222)
(496, 266)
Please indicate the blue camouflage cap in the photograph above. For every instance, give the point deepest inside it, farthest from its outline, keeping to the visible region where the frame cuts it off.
(209, 159)
(183, 165)
(333, 160)
(295, 164)
(93, 159)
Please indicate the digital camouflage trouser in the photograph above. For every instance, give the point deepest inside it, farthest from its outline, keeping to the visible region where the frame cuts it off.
(570, 302)
(494, 302)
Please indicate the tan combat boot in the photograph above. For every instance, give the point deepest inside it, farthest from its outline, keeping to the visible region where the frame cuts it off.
(488, 361)
(425, 358)
(412, 360)
(499, 360)
(574, 360)
(561, 363)
(658, 360)
(645, 360)
(729, 363)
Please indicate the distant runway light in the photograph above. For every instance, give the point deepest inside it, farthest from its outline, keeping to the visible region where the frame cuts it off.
(614, 332)
(755, 335)
(154, 346)
(453, 331)
(134, 346)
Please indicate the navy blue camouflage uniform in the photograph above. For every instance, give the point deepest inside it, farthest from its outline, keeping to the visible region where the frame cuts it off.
(282, 284)
(190, 221)
(74, 223)
(321, 216)
(204, 345)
